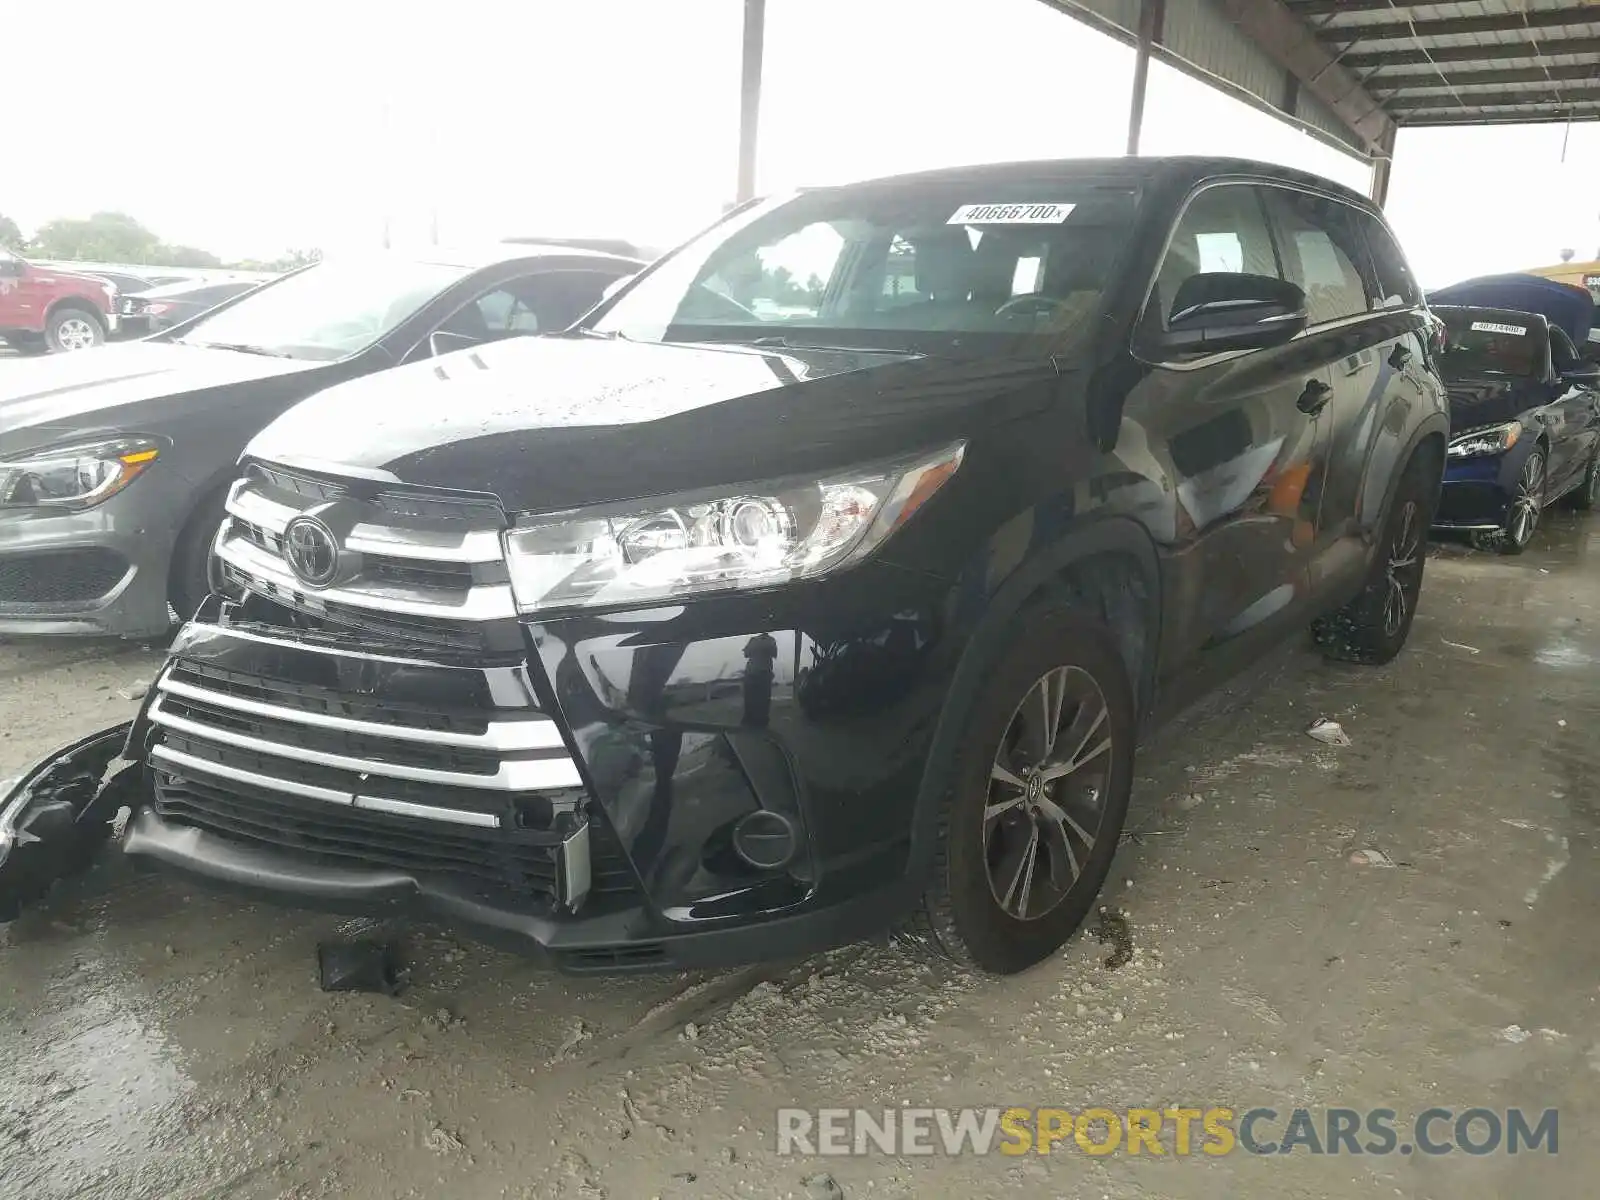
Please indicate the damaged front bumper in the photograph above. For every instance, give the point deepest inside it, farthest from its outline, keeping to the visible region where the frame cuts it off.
(54, 818)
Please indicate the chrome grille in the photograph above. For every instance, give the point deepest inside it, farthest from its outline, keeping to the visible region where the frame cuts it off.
(494, 796)
(415, 570)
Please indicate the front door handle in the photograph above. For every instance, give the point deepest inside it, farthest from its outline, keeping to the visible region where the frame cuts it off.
(1314, 398)
(1400, 357)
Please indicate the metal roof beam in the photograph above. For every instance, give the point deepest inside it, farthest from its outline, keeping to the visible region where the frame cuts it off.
(1361, 60)
(1510, 22)
(1385, 83)
(1332, 8)
(1440, 118)
(1290, 41)
(1569, 96)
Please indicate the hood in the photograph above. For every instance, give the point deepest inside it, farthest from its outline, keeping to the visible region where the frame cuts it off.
(40, 398)
(1562, 304)
(557, 422)
(1489, 400)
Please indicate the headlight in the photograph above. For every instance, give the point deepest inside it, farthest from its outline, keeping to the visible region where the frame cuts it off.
(1492, 439)
(74, 477)
(686, 546)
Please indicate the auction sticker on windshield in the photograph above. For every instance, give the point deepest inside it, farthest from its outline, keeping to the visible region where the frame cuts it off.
(1011, 214)
(1495, 327)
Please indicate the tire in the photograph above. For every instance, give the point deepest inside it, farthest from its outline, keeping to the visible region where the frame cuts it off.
(1522, 519)
(70, 328)
(963, 912)
(1373, 627)
(1587, 496)
(189, 582)
(29, 345)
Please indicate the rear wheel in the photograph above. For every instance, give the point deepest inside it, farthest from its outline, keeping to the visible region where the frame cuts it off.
(1037, 798)
(1374, 626)
(69, 328)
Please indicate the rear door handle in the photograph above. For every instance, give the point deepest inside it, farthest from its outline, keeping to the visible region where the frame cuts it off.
(1400, 357)
(1314, 398)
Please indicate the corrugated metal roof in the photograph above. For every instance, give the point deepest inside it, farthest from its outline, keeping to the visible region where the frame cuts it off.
(1467, 62)
(1351, 70)
(1200, 36)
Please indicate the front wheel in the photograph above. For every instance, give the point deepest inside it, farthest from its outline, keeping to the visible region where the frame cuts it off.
(1037, 797)
(1527, 502)
(1374, 626)
(190, 581)
(69, 329)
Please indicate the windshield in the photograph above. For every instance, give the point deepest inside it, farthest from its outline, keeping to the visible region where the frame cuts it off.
(327, 311)
(1493, 344)
(923, 265)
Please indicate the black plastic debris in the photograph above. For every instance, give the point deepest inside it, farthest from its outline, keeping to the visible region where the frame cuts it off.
(55, 818)
(359, 965)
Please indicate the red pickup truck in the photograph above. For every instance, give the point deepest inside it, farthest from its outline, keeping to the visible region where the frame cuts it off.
(44, 309)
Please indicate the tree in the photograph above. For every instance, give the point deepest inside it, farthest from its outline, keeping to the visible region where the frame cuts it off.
(10, 235)
(103, 237)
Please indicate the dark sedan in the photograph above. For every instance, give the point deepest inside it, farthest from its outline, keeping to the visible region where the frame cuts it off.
(158, 308)
(114, 465)
(1524, 424)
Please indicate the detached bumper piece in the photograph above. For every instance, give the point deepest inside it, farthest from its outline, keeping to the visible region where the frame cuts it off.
(54, 819)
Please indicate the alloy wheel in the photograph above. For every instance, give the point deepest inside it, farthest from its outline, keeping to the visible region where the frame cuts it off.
(75, 333)
(1527, 501)
(1047, 789)
(1403, 575)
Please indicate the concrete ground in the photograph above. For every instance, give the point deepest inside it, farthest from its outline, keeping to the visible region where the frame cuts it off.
(165, 1043)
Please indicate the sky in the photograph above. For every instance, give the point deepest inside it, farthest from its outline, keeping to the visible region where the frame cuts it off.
(494, 118)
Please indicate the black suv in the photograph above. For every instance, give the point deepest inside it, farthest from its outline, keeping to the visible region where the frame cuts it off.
(824, 577)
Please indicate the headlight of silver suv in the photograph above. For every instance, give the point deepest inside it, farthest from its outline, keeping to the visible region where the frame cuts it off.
(684, 546)
(75, 476)
(1492, 439)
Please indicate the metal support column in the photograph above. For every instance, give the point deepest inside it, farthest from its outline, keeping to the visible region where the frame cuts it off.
(1381, 165)
(755, 31)
(1152, 15)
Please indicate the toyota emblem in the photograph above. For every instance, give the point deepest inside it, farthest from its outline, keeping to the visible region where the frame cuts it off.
(311, 551)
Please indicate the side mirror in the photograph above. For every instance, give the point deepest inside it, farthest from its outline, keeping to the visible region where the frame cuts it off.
(12, 267)
(440, 342)
(1582, 374)
(1217, 311)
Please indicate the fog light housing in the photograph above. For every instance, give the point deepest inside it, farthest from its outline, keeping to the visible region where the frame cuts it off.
(766, 840)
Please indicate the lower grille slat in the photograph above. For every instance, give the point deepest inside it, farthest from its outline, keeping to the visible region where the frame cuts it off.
(339, 794)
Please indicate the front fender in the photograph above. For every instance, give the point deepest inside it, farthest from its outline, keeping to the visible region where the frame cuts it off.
(1037, 572)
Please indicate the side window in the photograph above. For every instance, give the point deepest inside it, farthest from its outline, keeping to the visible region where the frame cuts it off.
(503, 312)
(1322, 247)
(541, 303)
(559, 298)
(1397, 287)
(1223, 230)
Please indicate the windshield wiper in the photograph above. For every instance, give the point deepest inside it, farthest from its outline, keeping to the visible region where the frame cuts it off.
(241, 347)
